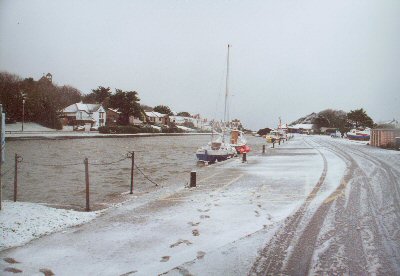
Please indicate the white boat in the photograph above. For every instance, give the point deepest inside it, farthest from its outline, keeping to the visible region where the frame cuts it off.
(239, 142)
(218, 149)
(361, 135)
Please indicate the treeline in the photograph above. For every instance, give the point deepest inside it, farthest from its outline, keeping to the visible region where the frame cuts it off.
(43, 99)
(126, 102)
(343, 121)
(335, 119)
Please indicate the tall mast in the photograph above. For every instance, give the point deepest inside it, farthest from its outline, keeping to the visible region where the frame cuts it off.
(226, 85)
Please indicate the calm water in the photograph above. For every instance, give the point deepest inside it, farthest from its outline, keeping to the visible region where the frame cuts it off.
(48, 174)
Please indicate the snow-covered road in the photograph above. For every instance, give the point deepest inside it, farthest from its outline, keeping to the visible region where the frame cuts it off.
(312, 204)
(356, 229)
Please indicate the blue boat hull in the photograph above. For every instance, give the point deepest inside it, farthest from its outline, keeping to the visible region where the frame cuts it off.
(358, 137)
(211, 158)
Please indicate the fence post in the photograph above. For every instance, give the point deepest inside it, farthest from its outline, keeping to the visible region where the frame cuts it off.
(244, 157)
(279, 141)
(86, 162)
(133, 164)
(1, 150)
(273, 144)
(263, 149)
(16, 177)
(192, 179)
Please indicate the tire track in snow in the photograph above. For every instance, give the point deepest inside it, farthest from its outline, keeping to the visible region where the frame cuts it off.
(360, 255)
(272, 258)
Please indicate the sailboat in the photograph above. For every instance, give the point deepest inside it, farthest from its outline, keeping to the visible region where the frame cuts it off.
(238, 141)
(217, 149)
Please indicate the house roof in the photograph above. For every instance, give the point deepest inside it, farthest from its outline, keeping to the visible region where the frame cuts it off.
(155, 114)
(302, 126)
(88, 108)
(114, 110)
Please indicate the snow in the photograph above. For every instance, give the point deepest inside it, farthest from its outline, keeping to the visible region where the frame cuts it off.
(188, 129)
(27, 127)
(21, 222)
(302, 126)
(216, 228)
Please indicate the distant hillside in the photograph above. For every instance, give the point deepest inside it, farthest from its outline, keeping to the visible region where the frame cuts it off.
(326, 118)
(309, 119)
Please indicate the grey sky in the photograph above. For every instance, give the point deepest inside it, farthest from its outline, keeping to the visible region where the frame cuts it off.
(288, 58)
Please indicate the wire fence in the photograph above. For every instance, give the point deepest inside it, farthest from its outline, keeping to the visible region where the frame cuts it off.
(23, 166)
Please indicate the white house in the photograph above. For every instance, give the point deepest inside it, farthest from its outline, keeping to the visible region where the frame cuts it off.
(197, 121)
(81, 114)
(157, 118)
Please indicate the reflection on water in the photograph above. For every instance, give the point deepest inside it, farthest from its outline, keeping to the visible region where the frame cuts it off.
(43, 178)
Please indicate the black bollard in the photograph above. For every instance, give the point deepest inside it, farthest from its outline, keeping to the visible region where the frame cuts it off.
(279, 141)
(263, 149)
(192, 179)
(273, 144)
(244, 157)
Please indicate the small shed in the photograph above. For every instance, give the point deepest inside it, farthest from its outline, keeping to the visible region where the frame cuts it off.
(384, 138)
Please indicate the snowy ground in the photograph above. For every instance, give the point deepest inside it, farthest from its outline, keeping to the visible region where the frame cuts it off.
(28, 126)
(239, 218)
(20, 222)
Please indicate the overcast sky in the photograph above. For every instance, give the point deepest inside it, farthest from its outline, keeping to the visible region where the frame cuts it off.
(288, 58)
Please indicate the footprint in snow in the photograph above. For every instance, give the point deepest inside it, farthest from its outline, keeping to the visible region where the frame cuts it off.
(180, 242)
(204, 216)
(200, 254)
(165, 259)
(128, 273)
(12, 270)
(257, 213)
(193, 223)
(47, 272)
(203, 211)
(195, 232)
(11, 260)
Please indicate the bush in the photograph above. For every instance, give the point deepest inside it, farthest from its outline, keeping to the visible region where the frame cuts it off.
(126, 130)
(171, 130)
(119, 129)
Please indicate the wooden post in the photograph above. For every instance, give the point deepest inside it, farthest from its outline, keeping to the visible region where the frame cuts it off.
(192, 179)
(132, 166)
(16, 178)
(263, 149)
(244, 157)
(1, 149)
(86, 162)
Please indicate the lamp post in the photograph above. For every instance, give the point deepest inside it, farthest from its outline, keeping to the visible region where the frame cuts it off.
(23, 109)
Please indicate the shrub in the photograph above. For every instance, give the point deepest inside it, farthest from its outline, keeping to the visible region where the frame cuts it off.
(126, 129)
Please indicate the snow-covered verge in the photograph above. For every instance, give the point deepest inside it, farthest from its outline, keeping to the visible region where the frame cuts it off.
(27, 127)
(21, 222)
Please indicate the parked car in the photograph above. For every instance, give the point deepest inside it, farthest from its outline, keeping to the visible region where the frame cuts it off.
(336, 134)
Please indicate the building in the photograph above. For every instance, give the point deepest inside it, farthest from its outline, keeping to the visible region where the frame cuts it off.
(194, 121)
(79, 114)
(384, 138)
(135, 121)
(112, 116)
(157, 118)
(301, 128)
